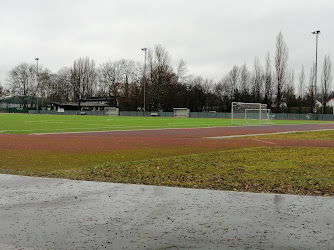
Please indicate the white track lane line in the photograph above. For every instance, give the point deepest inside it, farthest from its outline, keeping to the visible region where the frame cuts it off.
(276, 133)
(129, 130)
(268, 142)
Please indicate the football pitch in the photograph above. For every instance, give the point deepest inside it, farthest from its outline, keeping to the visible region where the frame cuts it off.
(288, 156)
(32, 124)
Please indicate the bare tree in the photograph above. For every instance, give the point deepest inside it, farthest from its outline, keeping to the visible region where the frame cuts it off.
(311, 92)
(110, 76)
(234, 77)
(83, 78)
(268, 82)
(161, 78)
(244, 83)
(301, 84)
(290, 85)
(289, 91)
(44, 86)
(2, 90)
(225, 93)
(198, 89)
(131, 76)
(62, 88)
(182, 72)
(119, 82)
(257, 81)
(326, 80)
(281, 60)
(22, 83)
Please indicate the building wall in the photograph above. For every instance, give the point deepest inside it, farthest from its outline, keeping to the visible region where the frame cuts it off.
(330, 103)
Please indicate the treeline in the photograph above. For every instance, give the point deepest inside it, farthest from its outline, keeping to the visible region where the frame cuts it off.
(124, 84)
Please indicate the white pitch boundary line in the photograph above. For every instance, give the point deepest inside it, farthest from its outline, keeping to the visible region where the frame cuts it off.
(149, 129)
(276, 133)
(124, 130)
(88, 131)
(217, 137)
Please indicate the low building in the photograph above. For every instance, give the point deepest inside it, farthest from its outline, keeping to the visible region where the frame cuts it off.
(88, 104)
(330, 103)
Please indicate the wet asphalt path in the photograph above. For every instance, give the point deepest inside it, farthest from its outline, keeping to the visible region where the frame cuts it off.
(41, 213)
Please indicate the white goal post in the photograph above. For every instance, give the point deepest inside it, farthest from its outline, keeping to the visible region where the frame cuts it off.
(250, 113)
(181, 112)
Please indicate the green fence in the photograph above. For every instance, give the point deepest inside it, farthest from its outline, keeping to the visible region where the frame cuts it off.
(292, 116)
(276, 116)
(210, 115)
(66, 112)
(16, 110)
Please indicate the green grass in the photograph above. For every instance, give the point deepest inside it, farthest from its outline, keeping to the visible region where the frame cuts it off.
(304, 171)
(312, 135)
(27, 124)
(41, 162)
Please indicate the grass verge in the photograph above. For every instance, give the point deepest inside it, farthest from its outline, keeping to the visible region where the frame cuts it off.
(303, 171)
(313, 135)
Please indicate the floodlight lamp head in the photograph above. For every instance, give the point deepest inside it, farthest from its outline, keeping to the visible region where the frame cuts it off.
(316, 32)
(37, 58)
(144, 49)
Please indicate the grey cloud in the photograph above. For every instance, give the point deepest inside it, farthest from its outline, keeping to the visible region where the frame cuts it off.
(211, 36)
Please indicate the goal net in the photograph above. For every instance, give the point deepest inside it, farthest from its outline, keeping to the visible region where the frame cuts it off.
(181, 112)
(250, 114)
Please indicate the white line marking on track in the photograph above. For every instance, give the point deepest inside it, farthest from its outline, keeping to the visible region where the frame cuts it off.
(275, 133)
(268, 142)
(124, 130)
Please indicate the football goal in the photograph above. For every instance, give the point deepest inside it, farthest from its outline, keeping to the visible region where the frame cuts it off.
(250, 113)
(181, 112)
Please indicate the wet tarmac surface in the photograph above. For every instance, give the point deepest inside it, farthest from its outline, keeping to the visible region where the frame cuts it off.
(41, 213)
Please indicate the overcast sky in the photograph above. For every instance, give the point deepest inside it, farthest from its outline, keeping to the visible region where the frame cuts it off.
(210, 35)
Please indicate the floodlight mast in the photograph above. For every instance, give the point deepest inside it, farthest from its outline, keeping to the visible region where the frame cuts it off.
(317, 32)
(144, 80)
